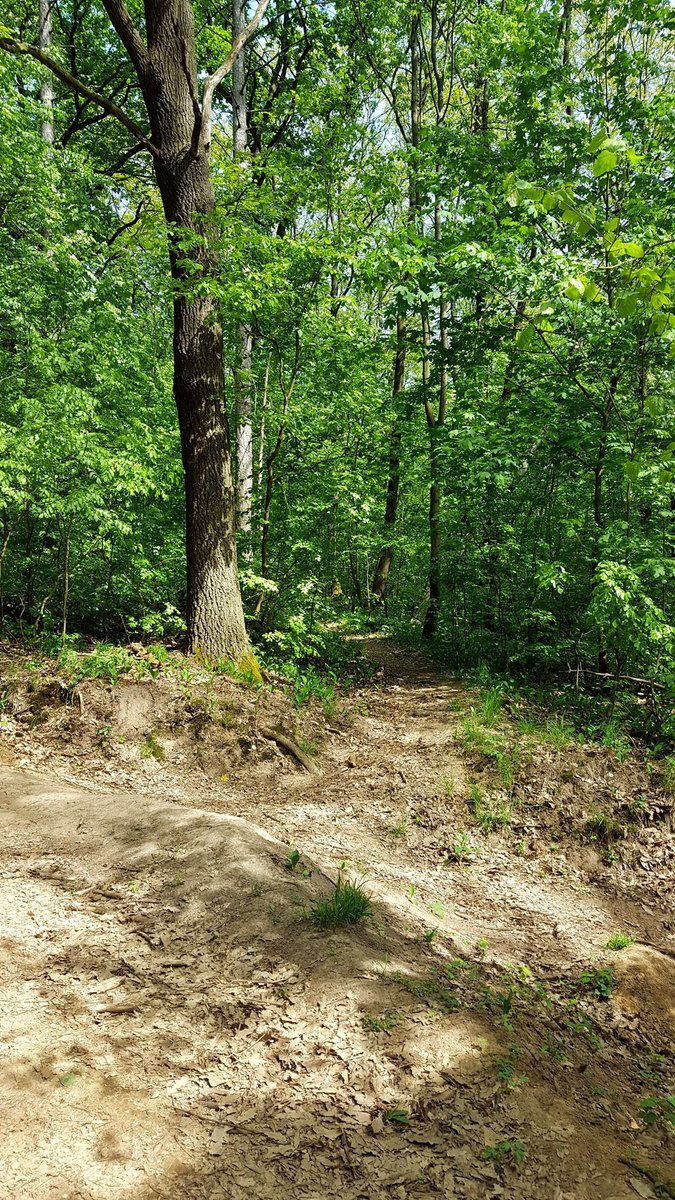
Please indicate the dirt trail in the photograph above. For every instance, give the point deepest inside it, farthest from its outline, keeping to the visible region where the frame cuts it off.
(171, 1024)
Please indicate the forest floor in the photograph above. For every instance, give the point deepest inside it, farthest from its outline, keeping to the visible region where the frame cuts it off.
(173, 1024)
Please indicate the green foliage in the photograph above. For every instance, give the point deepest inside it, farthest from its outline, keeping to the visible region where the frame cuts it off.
(397, 1116)
(105, 662)
(348, 904)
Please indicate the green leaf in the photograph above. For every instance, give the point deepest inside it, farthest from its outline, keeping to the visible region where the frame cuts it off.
(575, 289)
(632, 470)
(437, 909)
(605, 162)
(634, 249)
(626, 305)
(601, 139)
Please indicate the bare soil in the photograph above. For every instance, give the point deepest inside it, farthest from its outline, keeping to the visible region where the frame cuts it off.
(173, 1024)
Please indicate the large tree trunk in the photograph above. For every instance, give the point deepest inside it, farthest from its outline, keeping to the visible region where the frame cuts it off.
(215, 615)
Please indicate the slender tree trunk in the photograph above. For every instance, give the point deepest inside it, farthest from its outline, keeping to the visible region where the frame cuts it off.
(243, 378)
(435, 422)
(380, 581)
(598, 515)
(386, 556)
(47, 89)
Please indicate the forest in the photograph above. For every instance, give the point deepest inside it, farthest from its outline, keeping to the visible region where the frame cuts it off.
(337, 478)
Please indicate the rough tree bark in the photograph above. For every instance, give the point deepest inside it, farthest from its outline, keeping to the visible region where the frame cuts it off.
(180, 144)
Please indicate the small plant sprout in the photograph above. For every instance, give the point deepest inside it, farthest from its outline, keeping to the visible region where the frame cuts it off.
(449, 784)
(462, 849)
(348, 905)
(293, 859)
(411, 893)
(506, 1070)
(619, 941)
(429, 935)
(400, 829)
(502, 1152)
(397, 1116)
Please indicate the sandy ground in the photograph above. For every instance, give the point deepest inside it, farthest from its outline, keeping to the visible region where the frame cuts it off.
(172, 1024)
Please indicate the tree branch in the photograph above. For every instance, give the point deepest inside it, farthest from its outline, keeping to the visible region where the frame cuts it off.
(12, 46)
(128, 34)
(217, 77)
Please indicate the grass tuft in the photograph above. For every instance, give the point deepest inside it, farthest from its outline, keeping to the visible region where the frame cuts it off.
(619, 941)
(348, 904)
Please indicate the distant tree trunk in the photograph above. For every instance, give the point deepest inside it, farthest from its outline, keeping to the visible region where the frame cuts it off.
(244, 349)
(47, 89)
(598, 515)
(380, 581)
(435, 422)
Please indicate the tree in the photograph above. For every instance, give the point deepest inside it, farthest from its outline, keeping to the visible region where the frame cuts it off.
(179, 141)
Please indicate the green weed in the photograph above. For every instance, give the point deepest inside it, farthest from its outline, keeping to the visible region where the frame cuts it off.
(473, 738)
(490, 814)
(308, 746)
(584, 1026)
(501, 1152)
(382, 1024)
(462, 849)
(105, 662)
(400, 829)
(507, 1070)
(599, 980)
(602, 828)
(655, 1110)
(551, 731)
(491, 703)
(449, 784)
(614, 738)
(151, 748)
